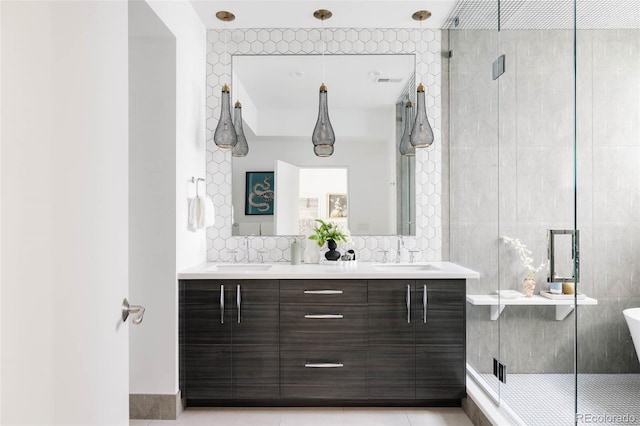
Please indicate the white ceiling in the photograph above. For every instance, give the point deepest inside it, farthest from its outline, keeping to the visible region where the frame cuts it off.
(293, 81)
(346, 14)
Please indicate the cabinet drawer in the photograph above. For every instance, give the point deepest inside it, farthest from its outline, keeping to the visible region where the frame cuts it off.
(323, 291)
(323, 325)
(323, 374)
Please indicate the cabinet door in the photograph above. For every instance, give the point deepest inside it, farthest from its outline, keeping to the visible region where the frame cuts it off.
(440, 339)
(391, 352)
(255, 336)
(205, 339)
(391, 317)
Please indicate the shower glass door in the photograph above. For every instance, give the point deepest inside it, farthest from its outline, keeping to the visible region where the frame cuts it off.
(608, 147)
(536, 194)
(474, 176)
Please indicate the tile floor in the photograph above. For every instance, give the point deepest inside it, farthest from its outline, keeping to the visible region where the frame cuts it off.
(315, 417)
(548, 399)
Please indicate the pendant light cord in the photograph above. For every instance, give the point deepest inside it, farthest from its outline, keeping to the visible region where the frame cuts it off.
(323, 48)
(226, 64)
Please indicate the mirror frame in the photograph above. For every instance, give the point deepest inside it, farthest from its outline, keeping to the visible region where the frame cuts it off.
(428, 185)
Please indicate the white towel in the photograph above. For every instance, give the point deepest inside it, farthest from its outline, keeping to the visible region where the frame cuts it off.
(201, 213)
(208, 217)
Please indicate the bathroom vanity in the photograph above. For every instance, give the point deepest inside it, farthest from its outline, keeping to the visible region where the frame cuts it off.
(348, 334)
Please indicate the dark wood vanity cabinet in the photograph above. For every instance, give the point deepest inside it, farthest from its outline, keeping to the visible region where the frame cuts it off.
(229, 337)
(322, 341)
(440, 339)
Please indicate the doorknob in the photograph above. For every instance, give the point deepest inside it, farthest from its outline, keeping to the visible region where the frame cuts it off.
(132, 309)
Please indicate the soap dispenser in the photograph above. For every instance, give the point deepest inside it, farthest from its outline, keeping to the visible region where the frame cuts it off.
(295, 252)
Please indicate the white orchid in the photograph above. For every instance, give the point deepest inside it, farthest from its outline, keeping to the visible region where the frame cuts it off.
(525, 256)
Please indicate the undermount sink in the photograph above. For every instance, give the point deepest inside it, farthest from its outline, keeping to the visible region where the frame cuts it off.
(404, 267)
(240, 267)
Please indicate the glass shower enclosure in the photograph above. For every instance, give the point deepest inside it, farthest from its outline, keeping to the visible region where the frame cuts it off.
(544, 111)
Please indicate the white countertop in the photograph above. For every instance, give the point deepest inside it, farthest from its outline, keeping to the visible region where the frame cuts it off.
(344, 270)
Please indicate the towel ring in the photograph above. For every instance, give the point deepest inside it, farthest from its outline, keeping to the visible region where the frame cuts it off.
(196, 180)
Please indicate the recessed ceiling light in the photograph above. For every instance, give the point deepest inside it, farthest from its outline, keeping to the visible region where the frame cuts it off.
(297, 73)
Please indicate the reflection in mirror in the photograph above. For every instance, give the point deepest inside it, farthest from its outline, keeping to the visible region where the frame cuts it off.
(279, 95)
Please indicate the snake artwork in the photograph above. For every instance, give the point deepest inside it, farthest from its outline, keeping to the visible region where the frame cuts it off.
(261, 190)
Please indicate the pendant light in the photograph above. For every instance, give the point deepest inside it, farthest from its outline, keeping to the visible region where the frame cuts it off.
(225, 135)
(323, 137)
(241, 149)
(421, 133)
(406, 148)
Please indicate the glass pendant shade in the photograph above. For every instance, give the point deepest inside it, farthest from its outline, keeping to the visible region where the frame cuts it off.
(225, 134)
(421, 133)
(323, 151)
(405, 143)
(241, 148)
(323, 135)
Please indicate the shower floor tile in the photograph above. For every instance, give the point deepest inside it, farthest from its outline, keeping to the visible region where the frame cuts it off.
(548, 399)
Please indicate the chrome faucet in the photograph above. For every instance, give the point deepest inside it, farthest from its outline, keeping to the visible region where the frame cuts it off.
(399, 250)
(245, 245)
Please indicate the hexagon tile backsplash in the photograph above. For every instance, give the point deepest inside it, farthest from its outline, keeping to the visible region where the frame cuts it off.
(276, 41)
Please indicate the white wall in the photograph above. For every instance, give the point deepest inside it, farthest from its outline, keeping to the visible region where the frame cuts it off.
(154, 346)
(152, 194)
(64, 206)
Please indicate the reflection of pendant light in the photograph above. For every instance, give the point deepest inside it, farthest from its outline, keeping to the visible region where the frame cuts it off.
(241, 149)
(225, 134)
(406, 148)
(421, 133)
(323, 137)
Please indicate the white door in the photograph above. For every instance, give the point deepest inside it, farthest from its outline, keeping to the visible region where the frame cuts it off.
(287, 198)
(64, 214)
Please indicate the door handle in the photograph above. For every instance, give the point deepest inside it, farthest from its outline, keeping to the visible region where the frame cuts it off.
(221, 304)
(238, 301)
(424, 304)
(408, 303)
(132, 309)
(324, 316)
(323, 292)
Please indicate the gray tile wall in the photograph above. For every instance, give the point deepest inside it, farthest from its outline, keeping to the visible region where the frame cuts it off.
(511, 160)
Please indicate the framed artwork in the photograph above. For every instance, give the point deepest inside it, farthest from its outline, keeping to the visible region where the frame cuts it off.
(259, 193)
(337, 206)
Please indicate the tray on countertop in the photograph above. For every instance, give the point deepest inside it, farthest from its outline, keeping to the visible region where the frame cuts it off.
(553, 296)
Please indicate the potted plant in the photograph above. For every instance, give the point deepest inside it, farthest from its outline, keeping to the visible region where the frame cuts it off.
(330, 233)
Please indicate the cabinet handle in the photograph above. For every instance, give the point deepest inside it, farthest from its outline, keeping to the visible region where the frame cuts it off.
(221, 304)
(408, 303)
(238, 301)
(323, 292)
(323, 365)
(324, 316)
(424, 304)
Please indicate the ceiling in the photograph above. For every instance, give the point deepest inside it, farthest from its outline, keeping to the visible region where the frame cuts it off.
(353, 81)
(346, 14)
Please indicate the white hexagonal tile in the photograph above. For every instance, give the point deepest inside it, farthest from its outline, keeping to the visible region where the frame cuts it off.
(282, 46)
(371, 46)
(358, 46)
(269, 47)
(288, 35)
(295, 46)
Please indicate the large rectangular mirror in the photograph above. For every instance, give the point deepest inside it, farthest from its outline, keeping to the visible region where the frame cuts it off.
(279, 96)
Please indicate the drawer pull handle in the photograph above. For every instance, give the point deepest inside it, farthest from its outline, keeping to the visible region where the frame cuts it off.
(324, 316)
(323, 292)
(324, 365)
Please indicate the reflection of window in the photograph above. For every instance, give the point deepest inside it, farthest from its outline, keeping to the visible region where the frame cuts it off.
(308, 213)
(337, 206)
